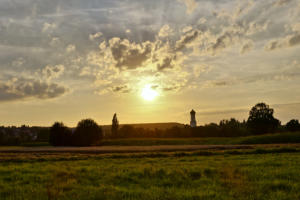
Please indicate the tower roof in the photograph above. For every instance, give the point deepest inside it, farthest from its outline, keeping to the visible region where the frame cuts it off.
(192, 111)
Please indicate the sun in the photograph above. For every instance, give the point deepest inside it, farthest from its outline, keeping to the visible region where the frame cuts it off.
(148, 93)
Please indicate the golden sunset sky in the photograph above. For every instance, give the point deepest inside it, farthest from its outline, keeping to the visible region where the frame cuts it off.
(148, 61)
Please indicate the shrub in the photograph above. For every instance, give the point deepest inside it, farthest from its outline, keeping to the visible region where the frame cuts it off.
(87, 133)
(293, 125)
(60, 135)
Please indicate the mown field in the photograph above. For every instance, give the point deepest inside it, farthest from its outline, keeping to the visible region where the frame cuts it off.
(243, 174)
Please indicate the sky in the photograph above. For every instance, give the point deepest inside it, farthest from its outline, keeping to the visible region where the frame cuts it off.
(66, 60)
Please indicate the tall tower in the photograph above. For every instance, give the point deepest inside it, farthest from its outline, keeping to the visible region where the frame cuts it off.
(193, 122)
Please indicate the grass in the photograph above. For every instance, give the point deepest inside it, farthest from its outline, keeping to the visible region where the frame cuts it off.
(289, 137)
(293, 137)
(248, 174)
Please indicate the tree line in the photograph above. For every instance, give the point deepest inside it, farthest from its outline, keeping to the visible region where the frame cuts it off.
(261, 120)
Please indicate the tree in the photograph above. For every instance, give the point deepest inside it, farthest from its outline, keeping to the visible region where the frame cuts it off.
(60, 135)
(115, 126)
(293, 125)
(232, 127)
(261, 119)
(87, 133)
(127, 131)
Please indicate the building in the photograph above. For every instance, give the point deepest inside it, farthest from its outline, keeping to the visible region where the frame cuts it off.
(193, 121)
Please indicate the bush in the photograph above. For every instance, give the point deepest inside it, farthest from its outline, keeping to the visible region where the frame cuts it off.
(87, 133)
(60, 135)
(293, 125)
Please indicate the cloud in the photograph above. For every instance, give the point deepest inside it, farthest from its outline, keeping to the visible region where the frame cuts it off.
(222, 42)
(158, 44)
(171, 88)
(187, 29)
(296, 27)
(92, 37)
(52, 72)
(55, 41)
(202, 20)
(199, 69)
(165, 31)
(23, 88)
(191, 5)
(247, 47)
(294, 40)
(167, 63)
(186, 39)
(281, 2)
(288, 41)
(70, 48)
(126, 54)
(285, 74)
(49, 27)
(130, 55)
(121, 88)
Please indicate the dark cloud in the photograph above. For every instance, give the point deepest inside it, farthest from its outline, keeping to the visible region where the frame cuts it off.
(51, 72)
(173, 88)
(289, 41)
(294, 40)
(186, 39)
(272, 45)
(129, 55)
(22, 88)
(121, 88)
(222, 42)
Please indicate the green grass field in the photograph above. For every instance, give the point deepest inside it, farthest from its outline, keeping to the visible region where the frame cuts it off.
(278, 138)
(229, 175)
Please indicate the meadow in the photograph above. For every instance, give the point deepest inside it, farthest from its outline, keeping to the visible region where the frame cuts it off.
(241, 174)
(277, 138)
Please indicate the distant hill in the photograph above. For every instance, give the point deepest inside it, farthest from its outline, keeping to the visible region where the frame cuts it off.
(152, 126)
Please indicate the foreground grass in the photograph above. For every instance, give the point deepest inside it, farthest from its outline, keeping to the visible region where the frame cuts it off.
(229, 175)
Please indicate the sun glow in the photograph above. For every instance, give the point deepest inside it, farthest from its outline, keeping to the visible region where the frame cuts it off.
(148, 93)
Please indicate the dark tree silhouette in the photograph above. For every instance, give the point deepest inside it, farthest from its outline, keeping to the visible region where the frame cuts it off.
(60, 135)
(293, 125)
(232, 127)
(127, 131)
(261, 119)
(87, 133)
(115, 126)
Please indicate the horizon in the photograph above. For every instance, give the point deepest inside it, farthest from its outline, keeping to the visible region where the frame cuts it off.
(147, 61)
(199, 123)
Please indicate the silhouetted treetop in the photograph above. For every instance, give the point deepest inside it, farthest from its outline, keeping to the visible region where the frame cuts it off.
(261, 119)
(59, 134)
(293, 125)
(115, 126)
(87, 132)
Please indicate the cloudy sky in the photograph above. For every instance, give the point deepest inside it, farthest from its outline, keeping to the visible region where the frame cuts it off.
(67, 60)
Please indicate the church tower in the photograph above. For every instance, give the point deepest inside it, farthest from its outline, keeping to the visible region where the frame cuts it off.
(193, 122)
